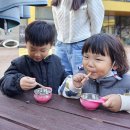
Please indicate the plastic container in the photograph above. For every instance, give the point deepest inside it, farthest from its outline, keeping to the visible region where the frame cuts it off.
(91, 101)
(43, 94)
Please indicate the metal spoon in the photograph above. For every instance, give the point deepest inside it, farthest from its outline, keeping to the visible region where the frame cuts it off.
(43, 86)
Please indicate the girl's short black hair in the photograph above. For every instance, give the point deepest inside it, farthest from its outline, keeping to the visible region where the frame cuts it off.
(39, 33)
(107, 44)
(75, 4)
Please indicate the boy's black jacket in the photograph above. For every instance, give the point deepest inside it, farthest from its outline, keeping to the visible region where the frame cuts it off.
(48, 72)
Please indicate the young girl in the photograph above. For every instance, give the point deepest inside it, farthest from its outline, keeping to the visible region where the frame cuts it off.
(105, 66)
(75, 21)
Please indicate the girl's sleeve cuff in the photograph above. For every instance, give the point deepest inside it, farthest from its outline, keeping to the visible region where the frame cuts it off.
(125, 106)
(73, 88)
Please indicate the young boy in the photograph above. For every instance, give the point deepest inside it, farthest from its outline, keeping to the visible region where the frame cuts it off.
(38, 66)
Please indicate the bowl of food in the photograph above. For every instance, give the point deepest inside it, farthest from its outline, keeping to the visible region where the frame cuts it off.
(43, 94)
(91, 101)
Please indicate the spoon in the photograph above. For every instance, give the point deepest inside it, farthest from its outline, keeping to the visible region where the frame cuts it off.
(86, 77)
(43, 86)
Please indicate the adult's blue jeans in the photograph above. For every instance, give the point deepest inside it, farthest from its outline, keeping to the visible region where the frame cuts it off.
(70, 54)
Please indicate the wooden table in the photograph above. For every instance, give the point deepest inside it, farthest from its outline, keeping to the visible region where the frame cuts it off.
(24, 113)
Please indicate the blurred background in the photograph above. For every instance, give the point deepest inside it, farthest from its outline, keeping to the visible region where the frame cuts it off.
(116, 21)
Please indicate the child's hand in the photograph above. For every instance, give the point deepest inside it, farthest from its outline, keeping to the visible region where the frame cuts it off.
(112, 102)
(27, 83)
(79, 79)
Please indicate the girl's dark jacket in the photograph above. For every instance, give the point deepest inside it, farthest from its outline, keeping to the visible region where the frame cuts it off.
(48, 72)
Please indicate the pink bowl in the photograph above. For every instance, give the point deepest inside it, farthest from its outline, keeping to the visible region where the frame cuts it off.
(91, 101)
(43, 95)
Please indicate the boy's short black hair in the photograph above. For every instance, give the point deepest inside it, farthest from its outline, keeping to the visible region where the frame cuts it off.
(106, 44)
(39, 33)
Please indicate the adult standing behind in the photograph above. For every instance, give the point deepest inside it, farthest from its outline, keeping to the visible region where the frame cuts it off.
(75, 21)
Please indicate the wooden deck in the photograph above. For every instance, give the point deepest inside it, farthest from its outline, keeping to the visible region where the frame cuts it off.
(24, 113)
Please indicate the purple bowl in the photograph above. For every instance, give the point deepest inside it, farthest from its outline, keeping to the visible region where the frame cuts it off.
(43, 95)
(91, 101)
